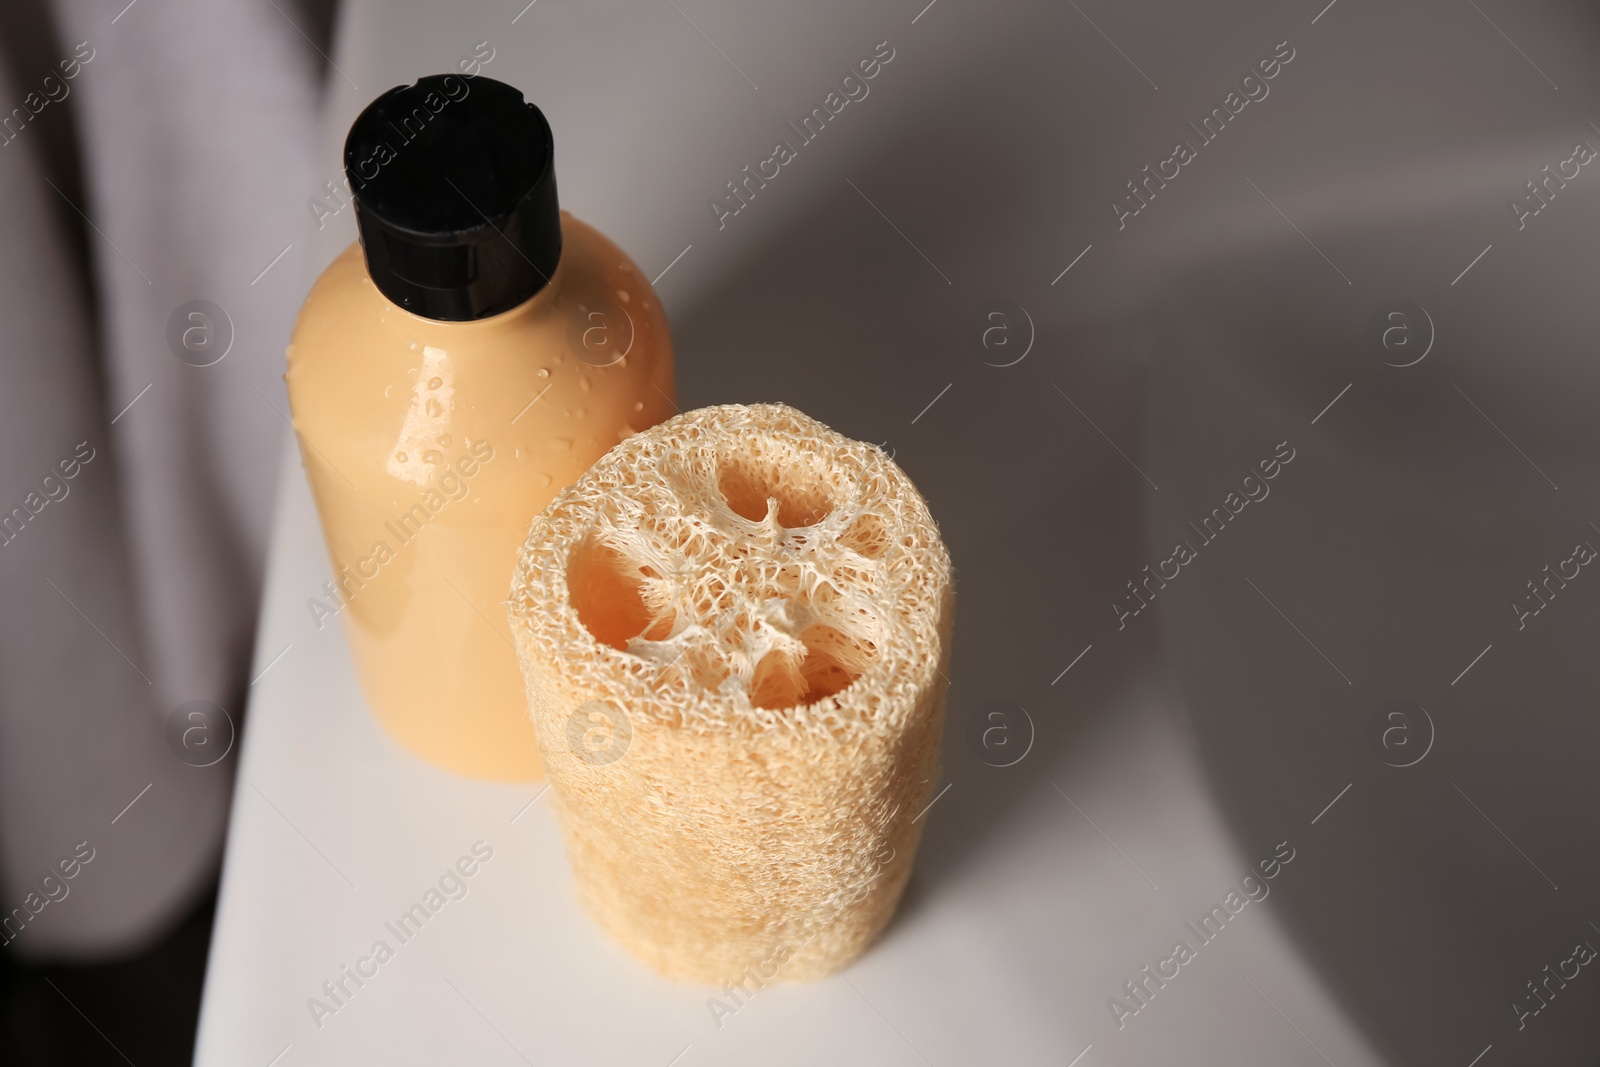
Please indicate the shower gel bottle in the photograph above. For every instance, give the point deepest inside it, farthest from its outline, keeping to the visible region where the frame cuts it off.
(472, 354)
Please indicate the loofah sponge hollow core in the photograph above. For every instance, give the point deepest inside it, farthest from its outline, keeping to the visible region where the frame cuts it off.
(734, 630)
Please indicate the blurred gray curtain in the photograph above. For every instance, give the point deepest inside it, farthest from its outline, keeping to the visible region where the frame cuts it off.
(172, 165)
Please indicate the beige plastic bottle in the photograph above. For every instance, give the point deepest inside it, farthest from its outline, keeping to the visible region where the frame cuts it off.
(448, 375)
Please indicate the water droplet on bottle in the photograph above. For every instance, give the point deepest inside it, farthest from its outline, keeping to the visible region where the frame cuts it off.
(413, 346)
(400, 457)
(544, 481)
(563, 444)
(444, 440)
(584, 384)
(435, 382)
(431, 456)
(622, 295)
(638, 405)
(434, 410)
(544, 372)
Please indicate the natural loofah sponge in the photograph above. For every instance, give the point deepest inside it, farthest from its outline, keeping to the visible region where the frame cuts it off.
(734, 631)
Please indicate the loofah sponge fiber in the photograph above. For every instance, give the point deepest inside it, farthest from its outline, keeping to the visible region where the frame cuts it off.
(734, 631)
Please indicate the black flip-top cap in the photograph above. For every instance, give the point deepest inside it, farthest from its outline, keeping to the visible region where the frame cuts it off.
(455, 191)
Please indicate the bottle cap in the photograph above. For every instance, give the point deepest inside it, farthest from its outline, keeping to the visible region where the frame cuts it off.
(455, 191)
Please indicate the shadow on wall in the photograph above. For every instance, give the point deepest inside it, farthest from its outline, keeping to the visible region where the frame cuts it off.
(1383, 560)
